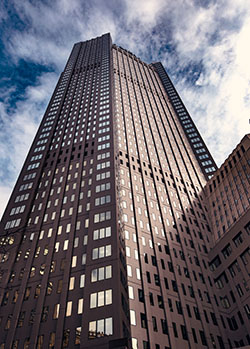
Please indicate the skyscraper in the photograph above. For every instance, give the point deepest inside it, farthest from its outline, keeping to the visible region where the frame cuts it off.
(105, 238)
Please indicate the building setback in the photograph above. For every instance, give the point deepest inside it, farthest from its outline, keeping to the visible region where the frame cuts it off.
(105, 241)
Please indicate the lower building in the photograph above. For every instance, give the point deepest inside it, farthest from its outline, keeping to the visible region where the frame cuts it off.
(229, 206)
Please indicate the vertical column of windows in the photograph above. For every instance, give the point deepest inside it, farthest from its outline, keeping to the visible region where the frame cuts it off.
(189, 128)
(149, 144)
(119, 127)
(205, 292)
(137, 275)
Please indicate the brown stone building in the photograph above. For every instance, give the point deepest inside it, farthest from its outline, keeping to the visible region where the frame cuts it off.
(105, 240)
(229, 207)
(228, 190)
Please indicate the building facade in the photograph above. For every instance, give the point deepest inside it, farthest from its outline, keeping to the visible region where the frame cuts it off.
(229, 210)
(105, 239)
(228, 192)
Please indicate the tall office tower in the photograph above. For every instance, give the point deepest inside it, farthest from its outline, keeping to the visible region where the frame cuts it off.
(105, 238)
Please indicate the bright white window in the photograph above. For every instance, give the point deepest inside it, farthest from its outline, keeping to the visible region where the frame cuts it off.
(132, 317)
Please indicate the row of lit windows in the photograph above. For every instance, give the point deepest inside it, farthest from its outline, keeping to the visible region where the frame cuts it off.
(22, 197)
(45, 313)
(44, 135)
(32, 166)
(102, 187)
(102, 200)
(101, 252)
(101, 273)
(103, 130)
(100, 328)
(100, 298)
(103, 156)
(16, 210)
(101, 233)
(100, 139)
(43, 141)
(188, 122)
(103, 146)
(29, 176)
(26, 186)
(12, 224)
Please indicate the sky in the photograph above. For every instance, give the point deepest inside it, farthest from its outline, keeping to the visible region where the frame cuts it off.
(203, 45)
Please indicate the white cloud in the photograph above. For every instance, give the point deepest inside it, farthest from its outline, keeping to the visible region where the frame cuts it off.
(146, 12)
(18, 128)
(220, 104)
(5, 195)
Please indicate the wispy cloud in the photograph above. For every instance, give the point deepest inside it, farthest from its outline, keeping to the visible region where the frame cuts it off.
(18, 127)
(203, 45)
(219, 103)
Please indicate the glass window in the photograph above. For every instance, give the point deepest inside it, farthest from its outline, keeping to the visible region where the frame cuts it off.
(59, 286)
(101, 272)
(108, 297)
(80, 306)
(56, 311)
(129, 270)
(69, 308)
(132, 317)
(227, 251)
(92, 329)
(108, 326)
(108, 250)
(131, 292)
(108, 270)
(93, 300)
(95, 253)
(82, 280)
(78, 335)
(84, 259)
(71, 283)
(74, 261)
(94, 275)
(134, 343)
(100, 328)
(101, 252)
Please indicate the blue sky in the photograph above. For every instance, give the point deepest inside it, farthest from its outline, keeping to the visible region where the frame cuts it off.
(204, 46)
